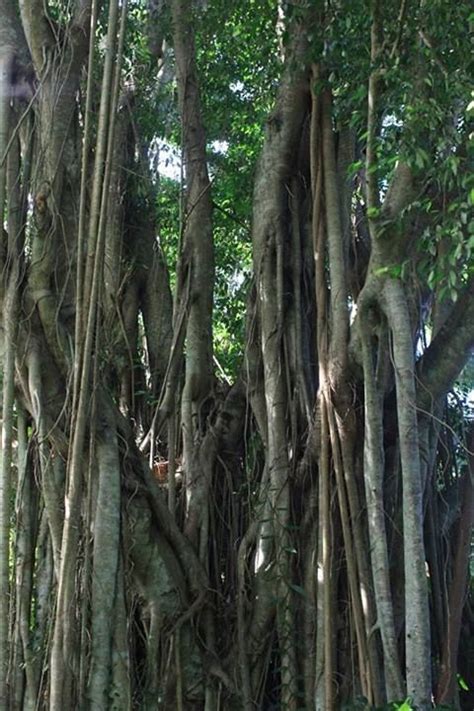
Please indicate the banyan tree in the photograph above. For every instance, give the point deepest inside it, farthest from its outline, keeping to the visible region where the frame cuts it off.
(237, 433)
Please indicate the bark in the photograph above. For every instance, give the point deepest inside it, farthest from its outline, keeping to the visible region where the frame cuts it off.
(269, 233)
(448, 353)
(197, 258)
(64, 634)
(106, 565)
(446, 688)
(417, 634)
(26, 511)
(10, 320)
(335, 243)
(373, 476)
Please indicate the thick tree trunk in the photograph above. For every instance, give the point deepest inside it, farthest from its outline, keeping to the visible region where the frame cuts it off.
(417, 637)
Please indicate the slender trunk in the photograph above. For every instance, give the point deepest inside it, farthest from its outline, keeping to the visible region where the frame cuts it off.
(373, 475)
(26, 509)
(417, 625)
(335, 247)
(105, 566)
(64, 635)
(198, 260)
(10, 321)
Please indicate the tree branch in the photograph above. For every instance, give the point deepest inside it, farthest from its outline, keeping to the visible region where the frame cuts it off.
(376, 32)
(400, 191)
(448, 352)
(38, 32)
(337, 271)
(401, 24)
(80, 25)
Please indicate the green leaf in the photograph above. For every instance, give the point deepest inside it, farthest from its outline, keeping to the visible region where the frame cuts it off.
(406, 706)
(373, 211)
(392, 270)
(421, 158)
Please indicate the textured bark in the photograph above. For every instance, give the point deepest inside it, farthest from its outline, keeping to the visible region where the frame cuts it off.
(269, 235)
(63, 671)
(373, 476)
(10, 321)
(448, 352)
(446, 689)
(105, 566)
(6, 477)
(26, 511)
(338, 282)
(198, 260)
(417, 639)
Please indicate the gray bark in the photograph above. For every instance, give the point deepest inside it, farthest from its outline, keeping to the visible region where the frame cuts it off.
(417, 622)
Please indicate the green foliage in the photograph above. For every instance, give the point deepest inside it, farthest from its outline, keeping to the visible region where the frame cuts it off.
(241, 65)
(446, 245)
(424, 120)
(168, 213)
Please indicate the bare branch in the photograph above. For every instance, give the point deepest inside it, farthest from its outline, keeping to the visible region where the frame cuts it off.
(373, 199)
(448, 353)
(401, 24)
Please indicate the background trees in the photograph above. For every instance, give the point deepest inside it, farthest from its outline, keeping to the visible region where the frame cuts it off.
(236, 428)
